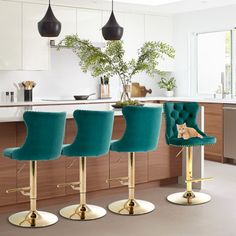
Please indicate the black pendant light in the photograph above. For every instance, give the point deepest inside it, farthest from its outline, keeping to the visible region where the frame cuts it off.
(112, 30)
(49, 26)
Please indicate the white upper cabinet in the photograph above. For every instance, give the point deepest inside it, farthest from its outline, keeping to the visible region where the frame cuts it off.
(35, 47)
(67, 17)
(160, 28)
(89, 24)
(10, 41)
(133, 34)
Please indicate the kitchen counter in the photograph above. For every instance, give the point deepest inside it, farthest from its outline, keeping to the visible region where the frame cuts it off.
(15, 114)
(55, 102)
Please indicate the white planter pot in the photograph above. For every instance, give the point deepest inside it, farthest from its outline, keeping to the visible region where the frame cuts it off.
(169, 93)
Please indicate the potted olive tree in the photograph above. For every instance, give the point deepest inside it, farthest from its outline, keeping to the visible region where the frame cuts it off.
(109, 61)
(169, 85)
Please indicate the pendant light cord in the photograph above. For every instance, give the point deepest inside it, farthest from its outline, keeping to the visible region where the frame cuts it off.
(112, 5)
(49, 2)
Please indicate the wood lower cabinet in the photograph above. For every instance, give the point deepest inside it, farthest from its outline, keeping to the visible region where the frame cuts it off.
(97, 167)
(214, 126)
(157, 165)
(7, 166)
(49, 173)
(163, 163)
(119, 161)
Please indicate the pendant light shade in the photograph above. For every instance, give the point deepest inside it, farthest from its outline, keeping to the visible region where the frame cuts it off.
(112, 30)
(49, 26)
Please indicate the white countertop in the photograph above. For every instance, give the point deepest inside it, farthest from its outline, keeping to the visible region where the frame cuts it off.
(13, 112)
(53, 102)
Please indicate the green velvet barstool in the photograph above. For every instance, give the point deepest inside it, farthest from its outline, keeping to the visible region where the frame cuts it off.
(141, 135)
(179, 113)
(94, 130)
(45, 134)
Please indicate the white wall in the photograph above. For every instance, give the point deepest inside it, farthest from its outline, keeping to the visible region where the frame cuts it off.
(184, 26)
(65, 79)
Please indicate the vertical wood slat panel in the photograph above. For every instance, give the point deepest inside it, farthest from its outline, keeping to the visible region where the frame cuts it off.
(119, 161)
(163, 163)
(50, 173)
(7, 166)
(214, 126)
(97, 167)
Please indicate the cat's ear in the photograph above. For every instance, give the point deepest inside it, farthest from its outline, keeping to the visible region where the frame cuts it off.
(184, 124)
(177, 126)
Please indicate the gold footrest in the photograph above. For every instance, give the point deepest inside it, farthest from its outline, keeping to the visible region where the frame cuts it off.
(73, 185)
(122, 180)
(198, 180)
(24, 190)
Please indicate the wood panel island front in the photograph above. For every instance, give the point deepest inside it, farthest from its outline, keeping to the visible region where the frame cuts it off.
(160, 165)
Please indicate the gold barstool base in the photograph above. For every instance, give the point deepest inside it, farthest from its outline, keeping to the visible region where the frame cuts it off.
(131, 207)
(79, 212)
(183, 199)
(33, 219)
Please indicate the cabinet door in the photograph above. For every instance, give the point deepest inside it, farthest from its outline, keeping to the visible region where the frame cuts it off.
(214, 126)
(10, 42)
(7, 166)
(133, 34)
(163, 163)
(35, 47)
(160, 28)
(49, 173)
(119, 161)
(89, 24)
(67, 17)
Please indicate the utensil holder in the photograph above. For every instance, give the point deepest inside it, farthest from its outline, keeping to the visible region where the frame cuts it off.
(104, 90)
(28, 95)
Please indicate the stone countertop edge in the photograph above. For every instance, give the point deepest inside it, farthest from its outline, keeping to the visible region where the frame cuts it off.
(100, 101)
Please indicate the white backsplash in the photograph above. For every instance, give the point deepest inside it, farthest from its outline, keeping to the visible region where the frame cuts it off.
(64, 80)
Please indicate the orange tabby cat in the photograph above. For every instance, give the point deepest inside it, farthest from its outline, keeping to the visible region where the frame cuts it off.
(187, 132)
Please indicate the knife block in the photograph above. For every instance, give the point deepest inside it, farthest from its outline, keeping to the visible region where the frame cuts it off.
(104, 90)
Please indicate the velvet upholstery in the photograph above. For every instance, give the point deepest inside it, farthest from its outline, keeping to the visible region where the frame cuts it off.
(179, 113)
(142, 129)
(94, 130)
(45, 134)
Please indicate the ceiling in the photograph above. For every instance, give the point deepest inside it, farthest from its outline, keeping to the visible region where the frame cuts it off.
(160, 7)
(167, 6)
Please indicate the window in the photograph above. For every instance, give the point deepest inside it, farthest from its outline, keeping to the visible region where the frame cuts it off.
(214, 62)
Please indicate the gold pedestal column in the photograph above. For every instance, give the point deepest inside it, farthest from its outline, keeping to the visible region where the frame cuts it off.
(33, 218)
(189, 197)
(131, 206)
(82, 211)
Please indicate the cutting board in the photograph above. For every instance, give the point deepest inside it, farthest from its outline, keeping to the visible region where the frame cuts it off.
(139, 91)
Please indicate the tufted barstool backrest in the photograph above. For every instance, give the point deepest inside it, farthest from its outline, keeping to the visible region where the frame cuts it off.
(179, 113)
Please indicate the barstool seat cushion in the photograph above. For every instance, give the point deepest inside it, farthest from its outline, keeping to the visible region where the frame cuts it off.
(94, 130)
(142, 129)
(45, 134)
(179, 113)
(8, 152)
(206, 140)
